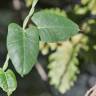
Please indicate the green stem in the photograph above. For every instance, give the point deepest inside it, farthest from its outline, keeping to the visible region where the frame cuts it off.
(5, 66)
(8, 94)
(30, 14)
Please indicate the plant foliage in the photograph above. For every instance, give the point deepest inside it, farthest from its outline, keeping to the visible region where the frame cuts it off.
(63, 66)
(19, 40)
(54, 30)
(8, 81)
(23, 45)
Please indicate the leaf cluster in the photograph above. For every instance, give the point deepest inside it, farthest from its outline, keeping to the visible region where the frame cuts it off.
(23, 43)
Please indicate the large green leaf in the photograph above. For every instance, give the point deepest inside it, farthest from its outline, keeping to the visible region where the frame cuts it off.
(54, 27)
(8, 81)
(23, 47)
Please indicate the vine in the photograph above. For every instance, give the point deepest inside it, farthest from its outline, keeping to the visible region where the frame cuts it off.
(23, 43)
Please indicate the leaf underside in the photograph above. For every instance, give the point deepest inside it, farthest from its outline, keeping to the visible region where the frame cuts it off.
(63, 67)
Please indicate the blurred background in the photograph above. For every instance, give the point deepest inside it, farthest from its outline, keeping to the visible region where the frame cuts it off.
(64, 68)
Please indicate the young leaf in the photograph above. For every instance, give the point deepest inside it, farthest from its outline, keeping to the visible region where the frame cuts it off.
(23, 47)
(53, 27)
(8, 81)
(63, 67)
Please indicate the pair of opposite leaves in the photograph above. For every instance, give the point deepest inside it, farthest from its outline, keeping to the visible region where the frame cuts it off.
(23, 45)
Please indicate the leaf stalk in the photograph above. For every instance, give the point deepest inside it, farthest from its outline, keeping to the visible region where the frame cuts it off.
(30, 14)
(5, 66)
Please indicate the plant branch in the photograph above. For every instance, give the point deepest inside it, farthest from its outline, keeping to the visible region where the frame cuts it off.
(41, 72)
(92, 90)
(5, 66)
(30, 14)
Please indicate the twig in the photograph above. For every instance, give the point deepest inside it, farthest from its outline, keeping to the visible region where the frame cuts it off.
(30, 14)
(41, 72)
(92, 90)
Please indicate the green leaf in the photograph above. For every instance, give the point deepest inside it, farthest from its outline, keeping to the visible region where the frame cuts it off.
(57, 11)
(63, 66)
(8, 81)
(28, 2)
(53, 27)
(23, 47)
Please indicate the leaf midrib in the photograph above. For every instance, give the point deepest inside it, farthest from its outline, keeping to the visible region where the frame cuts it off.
(56, 27)
(6, 82)
(23, 33)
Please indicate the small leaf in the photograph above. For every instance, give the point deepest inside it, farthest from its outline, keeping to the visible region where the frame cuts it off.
(23, 47)
(8, 81)
(53, 27)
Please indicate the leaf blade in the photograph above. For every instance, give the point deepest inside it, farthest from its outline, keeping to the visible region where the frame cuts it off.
(53, 27)
(11, 82)
(63, 67)
(8, 81)
(22, 45)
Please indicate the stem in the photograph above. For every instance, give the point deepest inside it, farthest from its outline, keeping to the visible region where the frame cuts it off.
(89, 91)
(44, 77)
(30, 14)
(41, 72)
(5, 66)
